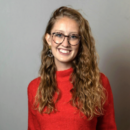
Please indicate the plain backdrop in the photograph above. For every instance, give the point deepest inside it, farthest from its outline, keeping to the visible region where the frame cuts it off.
(22, 25)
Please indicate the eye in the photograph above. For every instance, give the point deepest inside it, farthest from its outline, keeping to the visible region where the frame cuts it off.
(74, 37)
(60, 35)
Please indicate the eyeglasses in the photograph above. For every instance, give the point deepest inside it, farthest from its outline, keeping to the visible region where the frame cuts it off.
(58, 38)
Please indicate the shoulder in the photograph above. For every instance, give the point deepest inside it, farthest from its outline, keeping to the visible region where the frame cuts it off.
(106, 84)
(33, 85)
(104, 81)
(103, 77)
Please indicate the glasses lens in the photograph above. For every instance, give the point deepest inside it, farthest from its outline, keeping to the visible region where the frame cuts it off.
(58, 37)
(74, 39)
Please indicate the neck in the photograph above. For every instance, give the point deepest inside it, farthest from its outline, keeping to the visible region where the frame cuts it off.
(63, 66)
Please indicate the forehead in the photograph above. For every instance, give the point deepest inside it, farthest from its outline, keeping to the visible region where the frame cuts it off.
(66, 25)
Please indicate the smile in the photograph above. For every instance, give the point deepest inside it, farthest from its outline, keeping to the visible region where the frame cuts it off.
(64, 51)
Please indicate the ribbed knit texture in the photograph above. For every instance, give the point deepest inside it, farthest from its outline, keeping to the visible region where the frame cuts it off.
(68, 117)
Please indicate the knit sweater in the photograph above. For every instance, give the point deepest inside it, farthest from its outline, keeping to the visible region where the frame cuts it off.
(68, 117)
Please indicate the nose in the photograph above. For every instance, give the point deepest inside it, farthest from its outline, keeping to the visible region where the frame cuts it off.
(65, 43)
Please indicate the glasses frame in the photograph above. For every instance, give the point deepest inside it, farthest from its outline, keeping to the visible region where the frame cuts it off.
(68, 37)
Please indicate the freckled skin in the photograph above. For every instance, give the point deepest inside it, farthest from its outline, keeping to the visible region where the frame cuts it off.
(66, 26)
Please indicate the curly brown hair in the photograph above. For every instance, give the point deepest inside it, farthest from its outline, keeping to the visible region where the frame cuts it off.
(88, 94)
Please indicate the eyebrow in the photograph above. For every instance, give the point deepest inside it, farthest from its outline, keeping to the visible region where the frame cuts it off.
(64, 32)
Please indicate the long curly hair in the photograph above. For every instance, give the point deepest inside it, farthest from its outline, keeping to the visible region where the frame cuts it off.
(88, 94)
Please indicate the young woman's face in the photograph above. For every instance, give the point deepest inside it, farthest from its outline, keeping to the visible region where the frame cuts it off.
(63, 53)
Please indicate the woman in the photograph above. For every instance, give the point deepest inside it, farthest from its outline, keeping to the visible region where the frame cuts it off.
(71, 93)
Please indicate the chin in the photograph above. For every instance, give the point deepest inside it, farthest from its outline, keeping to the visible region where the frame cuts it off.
(63, 60)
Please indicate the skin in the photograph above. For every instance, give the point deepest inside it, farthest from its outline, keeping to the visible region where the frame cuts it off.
(66, 26)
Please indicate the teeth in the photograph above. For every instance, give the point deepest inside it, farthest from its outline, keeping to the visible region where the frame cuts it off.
(63, 51)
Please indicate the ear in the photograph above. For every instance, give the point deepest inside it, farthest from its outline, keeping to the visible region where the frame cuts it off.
(48, 39)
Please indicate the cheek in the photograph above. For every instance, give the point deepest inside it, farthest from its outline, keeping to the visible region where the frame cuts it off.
(75, 51)
(54, 47)
(53, 44)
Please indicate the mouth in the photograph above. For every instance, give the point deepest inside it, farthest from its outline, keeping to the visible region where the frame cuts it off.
(64, 51)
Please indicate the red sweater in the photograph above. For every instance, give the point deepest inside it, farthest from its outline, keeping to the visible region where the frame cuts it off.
(67, 118)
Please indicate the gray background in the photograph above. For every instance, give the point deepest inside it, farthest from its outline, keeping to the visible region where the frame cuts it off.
(22, 25)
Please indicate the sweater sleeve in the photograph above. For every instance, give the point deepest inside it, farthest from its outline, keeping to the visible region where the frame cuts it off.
(107, 121)
(32, 121)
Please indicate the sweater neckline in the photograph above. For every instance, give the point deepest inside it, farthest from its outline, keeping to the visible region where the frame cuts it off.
(64, 75)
